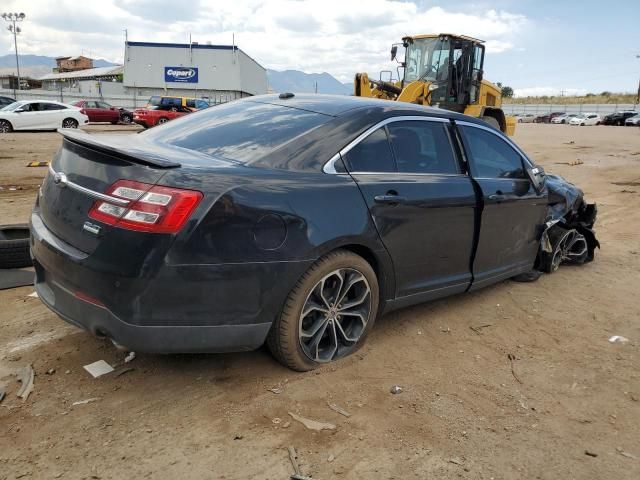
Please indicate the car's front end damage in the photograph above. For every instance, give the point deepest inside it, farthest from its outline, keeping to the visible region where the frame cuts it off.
(568, 236)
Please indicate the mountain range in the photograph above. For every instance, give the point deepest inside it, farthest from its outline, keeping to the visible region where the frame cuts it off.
(295, 81)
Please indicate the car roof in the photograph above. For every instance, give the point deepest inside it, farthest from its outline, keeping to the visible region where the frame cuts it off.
(338, 105)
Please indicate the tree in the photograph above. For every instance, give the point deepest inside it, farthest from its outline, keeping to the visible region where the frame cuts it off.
(506, 91)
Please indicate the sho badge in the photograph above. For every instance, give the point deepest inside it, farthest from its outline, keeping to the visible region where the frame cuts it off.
(91, 228)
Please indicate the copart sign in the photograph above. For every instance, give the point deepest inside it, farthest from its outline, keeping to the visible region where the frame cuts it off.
(181, 74)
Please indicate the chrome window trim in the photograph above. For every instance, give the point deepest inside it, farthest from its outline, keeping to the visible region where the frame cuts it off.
(498, 134)
(60, 179)
(330, 168)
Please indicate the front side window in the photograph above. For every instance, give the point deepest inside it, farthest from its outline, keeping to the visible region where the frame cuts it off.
(492, 157)
(90, 105)
(422, 147)
(373, 154)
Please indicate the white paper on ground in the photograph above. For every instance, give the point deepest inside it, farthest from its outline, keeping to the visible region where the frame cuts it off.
(98, 368)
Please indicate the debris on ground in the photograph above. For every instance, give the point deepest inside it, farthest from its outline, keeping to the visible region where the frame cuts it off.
(480, 327)
(512, 358)
(99, 368)
(572, 163)
(130, 357)
(84, 402)
(396, 389)
(293, 457)
(590, 453)
(2, 395)
(618, 339)
(122, 371)
(331, 458)
(626, 454)
(38, 164)
(33, 295)
(338, 409)
(26, 376)
(51, 371)
(312, 424)
(277, 390)
(455, 461)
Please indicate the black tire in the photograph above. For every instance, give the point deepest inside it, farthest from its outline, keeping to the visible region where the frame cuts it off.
(527, 277)
(69, 123)
(568, 247)
(5, 126)
(491, 121)
(14, 246)
(162, 120)
(126, 118)
(284, 339)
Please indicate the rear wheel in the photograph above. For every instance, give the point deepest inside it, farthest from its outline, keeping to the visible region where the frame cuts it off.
(69, 123)
(125, 118)
(328, 314)
(5, 126)
(162, 120)
(491, 121)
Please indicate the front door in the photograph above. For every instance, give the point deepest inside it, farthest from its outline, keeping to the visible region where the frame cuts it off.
(513, 212)
(421, 203)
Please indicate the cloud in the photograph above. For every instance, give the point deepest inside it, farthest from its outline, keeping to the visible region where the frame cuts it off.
(548, 91)
(335, 36)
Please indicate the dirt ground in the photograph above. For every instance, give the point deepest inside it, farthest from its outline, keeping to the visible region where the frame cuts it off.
(462, 412)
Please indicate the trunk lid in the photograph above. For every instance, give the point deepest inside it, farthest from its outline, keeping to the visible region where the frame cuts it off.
(90, 164)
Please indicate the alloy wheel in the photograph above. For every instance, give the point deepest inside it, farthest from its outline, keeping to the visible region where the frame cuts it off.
(571, 248)
(5, 127)
(69, 123)
(335, 315)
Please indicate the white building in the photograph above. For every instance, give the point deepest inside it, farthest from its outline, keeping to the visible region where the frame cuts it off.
(219, 72)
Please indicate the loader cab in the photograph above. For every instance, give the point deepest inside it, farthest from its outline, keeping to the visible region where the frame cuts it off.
(451, 64)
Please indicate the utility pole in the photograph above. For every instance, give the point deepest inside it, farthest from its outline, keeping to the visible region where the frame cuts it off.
(12, 18)
(638, 96)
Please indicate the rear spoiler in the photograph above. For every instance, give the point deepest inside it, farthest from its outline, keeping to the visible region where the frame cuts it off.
(131, 153)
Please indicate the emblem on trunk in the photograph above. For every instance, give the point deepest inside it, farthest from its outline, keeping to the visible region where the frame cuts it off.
(91, 228)
(60, 179)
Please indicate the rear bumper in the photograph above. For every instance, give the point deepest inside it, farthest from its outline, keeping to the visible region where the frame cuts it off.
(139, 121)
(175, 309)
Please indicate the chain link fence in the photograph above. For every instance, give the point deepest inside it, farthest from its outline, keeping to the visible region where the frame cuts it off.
(541, 109)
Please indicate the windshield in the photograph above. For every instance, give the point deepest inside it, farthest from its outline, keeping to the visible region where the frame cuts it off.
(12, 106)
(427, 58)
(582, 115)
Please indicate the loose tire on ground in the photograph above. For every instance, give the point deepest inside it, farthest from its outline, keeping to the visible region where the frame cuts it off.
(14, 246)
(285, 339)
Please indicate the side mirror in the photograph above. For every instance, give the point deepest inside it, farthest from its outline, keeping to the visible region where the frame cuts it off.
(19, 110)
(537, 176)
(394, 52)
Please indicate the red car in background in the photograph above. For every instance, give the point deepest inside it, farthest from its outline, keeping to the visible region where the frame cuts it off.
(103, 112)
(155, 115)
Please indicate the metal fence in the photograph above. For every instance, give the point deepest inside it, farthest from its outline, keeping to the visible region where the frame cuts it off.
(123, 100)
(540, 109)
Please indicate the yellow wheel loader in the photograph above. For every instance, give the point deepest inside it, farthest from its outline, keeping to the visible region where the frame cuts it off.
(445, 71)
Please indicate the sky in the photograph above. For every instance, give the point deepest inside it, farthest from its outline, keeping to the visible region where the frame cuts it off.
(537, 47)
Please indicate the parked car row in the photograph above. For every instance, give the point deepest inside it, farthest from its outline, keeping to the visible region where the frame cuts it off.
(628, 118)
(49, 115)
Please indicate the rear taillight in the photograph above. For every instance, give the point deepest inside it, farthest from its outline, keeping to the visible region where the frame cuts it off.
(152, 208)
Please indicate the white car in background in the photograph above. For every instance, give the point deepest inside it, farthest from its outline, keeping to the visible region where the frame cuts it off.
(40, 115)
(525, 118)
(586, 119)
(564, 118)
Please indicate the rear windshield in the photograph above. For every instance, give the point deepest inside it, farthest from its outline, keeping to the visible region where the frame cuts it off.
(242, 131)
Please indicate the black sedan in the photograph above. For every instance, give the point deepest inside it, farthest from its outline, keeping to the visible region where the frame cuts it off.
(294, 220)
(618, 118)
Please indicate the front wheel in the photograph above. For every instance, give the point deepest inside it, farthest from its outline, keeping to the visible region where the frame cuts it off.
(328, 314)
(69, 123)
(491, 121)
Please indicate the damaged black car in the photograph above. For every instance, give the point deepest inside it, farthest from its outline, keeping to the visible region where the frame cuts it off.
(294, 220)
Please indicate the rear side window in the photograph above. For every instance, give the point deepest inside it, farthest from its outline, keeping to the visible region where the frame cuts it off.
(422, 147)
(52, 106)
(491, 156)
(373, 154)
(243, 130)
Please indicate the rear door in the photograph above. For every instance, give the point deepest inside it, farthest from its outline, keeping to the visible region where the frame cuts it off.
(421, 203)
(513, 211)
(92, 111)
(108, 113)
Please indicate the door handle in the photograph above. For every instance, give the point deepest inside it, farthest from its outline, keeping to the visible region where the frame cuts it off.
(498, 197)
(389, 199)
